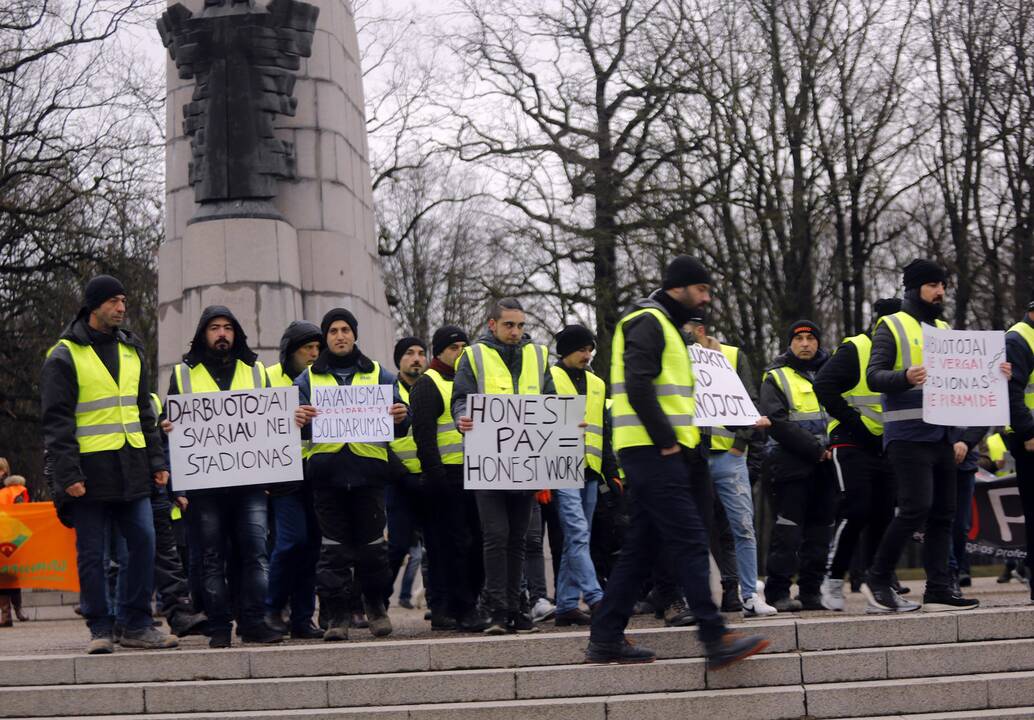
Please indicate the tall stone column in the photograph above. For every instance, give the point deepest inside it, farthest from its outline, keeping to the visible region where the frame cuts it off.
(321, 254)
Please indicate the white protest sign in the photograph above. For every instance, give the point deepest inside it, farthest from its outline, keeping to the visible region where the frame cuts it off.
(352, 413)
(524, 442)
(720, 396)
(964, 385)
(237, 437)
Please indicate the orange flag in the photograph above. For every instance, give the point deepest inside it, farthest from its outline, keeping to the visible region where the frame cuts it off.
(36, 550)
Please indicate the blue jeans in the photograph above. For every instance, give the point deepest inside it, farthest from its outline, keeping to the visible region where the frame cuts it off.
(136, 578)
(216, 516)
(416, 558)
(292, 566)
(732, 486)
(575, 508)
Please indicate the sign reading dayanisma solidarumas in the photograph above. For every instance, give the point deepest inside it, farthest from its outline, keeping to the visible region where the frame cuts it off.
(524, 442)
(718, 391)
(353, 413)
(237, 437)
(964, 384)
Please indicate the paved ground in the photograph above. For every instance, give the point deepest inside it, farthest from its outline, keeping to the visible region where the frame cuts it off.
(70, 635)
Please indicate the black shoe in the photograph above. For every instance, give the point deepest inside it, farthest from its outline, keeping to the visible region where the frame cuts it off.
(643, 607)
(219, 640)
(731, 599)
(810, 602)
(678, 615)
(428, 615)
(378, 620)
(623, 652)
(473, 621)
(261, 635)
(1005, 577)
(882, 600)
(336, 631)
(441, 621)
(275, 622)
(521, 624)
(941, 601)
(965, 580)
(731, 648)
(358, 620)
(573, 617)
(184, 624)
(306, 631)
(898, 587)
(408, 604)
(785, 604)
(856, 584)
(497, 625)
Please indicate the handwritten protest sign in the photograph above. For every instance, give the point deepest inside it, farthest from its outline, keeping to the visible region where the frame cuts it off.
(964, 385)
(237, 437)
(720, 396)
(353, 413)
(524, 442)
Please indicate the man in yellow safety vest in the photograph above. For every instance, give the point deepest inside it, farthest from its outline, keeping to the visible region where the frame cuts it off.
(1019, 350)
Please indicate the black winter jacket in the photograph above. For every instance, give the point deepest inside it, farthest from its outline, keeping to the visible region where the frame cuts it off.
(797, 451)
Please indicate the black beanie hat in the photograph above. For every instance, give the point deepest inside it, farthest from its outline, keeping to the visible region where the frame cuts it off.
(404, 344)
(446, 336)
(885, 306)
(101, 289)
(685, 270)
(919, 272)
(573, 337)
(803, 326)
(339, 314)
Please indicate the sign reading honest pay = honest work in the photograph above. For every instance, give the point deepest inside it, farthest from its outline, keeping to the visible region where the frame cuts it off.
(965, 386)
(353, 413)
(232, 438)
(524, 442)
(721, 399)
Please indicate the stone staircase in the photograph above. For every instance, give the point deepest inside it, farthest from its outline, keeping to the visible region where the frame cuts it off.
(978, 664)
(49, 605)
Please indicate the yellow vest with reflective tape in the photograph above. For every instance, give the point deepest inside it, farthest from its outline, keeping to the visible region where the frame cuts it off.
(595, 399)
(277, 376)
(722, 438)
(198, 380)
(674, 386)
(405, 447)
(494, 377)
(802, 402)
(908, 337)
(376, 451)
(106, 413)
(450, 440)
(868, 403)
(1025, 331)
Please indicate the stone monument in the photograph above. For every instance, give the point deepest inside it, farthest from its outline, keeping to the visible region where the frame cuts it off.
(268, 191)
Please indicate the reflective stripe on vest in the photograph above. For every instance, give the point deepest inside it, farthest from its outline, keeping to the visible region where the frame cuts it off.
(1025, 331)
(802, 403)
(405, 447)
(277, 376)
(721, 438)
(595, 399)
(376, 451)
(674, 385)
(106, 413)
(198, 380)
(450, 440)
(494, 377)
(905, 406)
(156, 405)
(868, 404)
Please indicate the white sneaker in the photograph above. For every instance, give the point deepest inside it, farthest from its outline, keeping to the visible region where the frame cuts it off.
(755, 606)
(832, 592)
(759, 587)
(542, 610)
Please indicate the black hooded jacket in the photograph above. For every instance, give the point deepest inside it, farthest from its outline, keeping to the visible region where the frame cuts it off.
(110, 476)
(797, 450)
(841, 373)
(221, 369)
(298, 333)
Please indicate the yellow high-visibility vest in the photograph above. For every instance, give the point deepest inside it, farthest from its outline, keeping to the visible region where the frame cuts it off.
(494, 377)
(405, 447)
(869, 404)
(198, 380)
(450, 440)
(595, 400)
(721, 437)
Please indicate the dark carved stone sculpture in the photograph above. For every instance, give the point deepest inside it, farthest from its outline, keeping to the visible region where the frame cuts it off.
(242, 57)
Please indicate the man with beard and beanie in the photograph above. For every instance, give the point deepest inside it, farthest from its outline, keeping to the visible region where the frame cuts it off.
(292, 563)
(348, 485)
(452, 533)
(403, 496)
(864, 479)
(219, 359)
(103, 456)
(1019, 351)
(803, 495)
(923, 456)
(577, 580)
(503, 361)
(658, 448)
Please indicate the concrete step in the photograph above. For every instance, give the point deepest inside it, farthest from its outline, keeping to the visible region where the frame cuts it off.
(1018, 713)
(48, 598)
